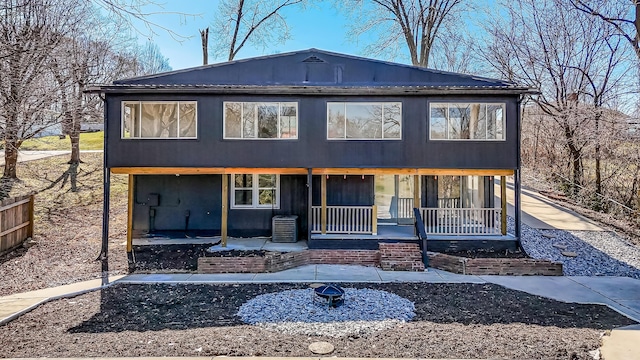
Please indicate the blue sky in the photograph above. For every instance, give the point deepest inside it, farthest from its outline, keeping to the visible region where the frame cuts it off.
(320, 27)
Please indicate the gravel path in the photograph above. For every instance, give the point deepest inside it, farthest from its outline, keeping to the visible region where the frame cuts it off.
(599, 253)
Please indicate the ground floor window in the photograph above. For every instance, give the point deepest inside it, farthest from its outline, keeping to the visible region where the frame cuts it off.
(255, 191)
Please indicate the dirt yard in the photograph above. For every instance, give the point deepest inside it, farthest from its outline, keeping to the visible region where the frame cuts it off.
(452, 320)
(67, 231)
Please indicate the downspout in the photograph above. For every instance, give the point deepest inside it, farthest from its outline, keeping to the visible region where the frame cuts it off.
(104, 251)
(517, 175)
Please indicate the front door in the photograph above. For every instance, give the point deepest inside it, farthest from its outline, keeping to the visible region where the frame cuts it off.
(394, 199)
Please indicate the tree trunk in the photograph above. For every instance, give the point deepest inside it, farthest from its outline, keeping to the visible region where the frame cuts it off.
(597, 155)
(10, 159)
(575, 158)
(204, 35)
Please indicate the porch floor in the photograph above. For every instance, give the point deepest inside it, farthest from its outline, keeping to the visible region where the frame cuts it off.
(385, 232)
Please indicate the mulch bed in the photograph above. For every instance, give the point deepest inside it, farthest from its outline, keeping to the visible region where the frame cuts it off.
(452, 320)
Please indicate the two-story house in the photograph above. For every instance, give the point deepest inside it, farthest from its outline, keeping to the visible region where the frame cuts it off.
(349, 145)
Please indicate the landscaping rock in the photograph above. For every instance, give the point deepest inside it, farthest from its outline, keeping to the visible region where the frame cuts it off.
(569, 254)
(560, 246)
(321, 347)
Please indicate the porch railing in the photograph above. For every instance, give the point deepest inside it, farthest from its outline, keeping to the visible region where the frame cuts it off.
(346, 219)
(461, 221)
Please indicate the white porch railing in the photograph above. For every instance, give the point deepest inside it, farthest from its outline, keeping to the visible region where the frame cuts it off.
(461, 221)
(345, 219)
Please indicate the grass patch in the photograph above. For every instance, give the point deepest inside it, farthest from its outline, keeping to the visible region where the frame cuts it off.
(61, 185)
(88, 141)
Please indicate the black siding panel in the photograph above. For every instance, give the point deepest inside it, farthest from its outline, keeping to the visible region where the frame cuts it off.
(201, 196)
(351, 190)
(311, 149)
(198, 194)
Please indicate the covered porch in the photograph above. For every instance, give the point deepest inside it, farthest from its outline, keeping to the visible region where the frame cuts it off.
(469, 210)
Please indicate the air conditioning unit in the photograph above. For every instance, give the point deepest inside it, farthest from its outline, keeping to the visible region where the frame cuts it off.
(284, 229)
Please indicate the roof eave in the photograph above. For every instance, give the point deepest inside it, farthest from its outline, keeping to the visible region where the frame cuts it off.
(311, 90)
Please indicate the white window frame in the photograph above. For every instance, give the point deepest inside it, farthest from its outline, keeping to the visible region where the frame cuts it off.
(257, 103)
(255, 193)
(140, 103)
(381, 103)
(438, 104)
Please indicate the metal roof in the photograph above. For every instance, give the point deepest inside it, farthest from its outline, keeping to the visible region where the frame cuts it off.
(312, 71)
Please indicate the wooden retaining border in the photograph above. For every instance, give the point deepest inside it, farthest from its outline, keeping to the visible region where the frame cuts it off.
(16, 222)
(494, 266)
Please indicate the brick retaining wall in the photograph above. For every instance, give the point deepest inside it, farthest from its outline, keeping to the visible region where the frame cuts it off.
(274, 261)
(390, 256)
(494, 266)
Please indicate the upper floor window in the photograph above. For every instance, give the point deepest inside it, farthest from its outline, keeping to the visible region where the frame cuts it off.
(364, 121)
(260, 120)
(466, 121)
(159, 119)
(255, 191)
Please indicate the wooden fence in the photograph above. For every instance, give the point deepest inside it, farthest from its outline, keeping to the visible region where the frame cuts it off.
(16, 222)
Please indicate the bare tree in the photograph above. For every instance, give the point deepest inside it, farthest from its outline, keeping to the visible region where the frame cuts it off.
(622, 15)
(256, 22)
(30, 30)
(150, 60)
(416, 23)
(545, 45)
(135, 12)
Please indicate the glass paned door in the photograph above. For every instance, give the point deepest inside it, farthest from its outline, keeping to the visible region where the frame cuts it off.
(394, 199)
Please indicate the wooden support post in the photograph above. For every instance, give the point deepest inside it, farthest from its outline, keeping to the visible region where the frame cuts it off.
(130, 215)
(503, 204)
(374, 220)
(225, 205)
(323, 204)
(31, 219)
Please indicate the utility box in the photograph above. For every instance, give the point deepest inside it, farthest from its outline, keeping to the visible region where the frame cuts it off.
(284, 229)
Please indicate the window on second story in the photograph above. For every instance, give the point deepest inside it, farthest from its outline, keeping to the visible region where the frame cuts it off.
(159, 119)
(255, 191)
(364, 121)
(260, 120)
(467, 121)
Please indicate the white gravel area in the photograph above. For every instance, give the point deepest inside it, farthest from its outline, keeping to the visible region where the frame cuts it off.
(301, 312)
(598, 253)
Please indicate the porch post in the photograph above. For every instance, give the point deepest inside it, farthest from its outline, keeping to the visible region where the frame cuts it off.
(503, 203)
(323, 204)
(309, 203)
(416, 197)
(225, 202)
(130, 215)
(374, 219)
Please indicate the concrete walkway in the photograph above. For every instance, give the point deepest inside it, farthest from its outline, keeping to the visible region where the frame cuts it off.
(12, 306)
(29, 155)
(619, 293)
(541, 213)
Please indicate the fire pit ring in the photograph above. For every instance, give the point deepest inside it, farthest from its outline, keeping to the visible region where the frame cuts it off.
(332, 294)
